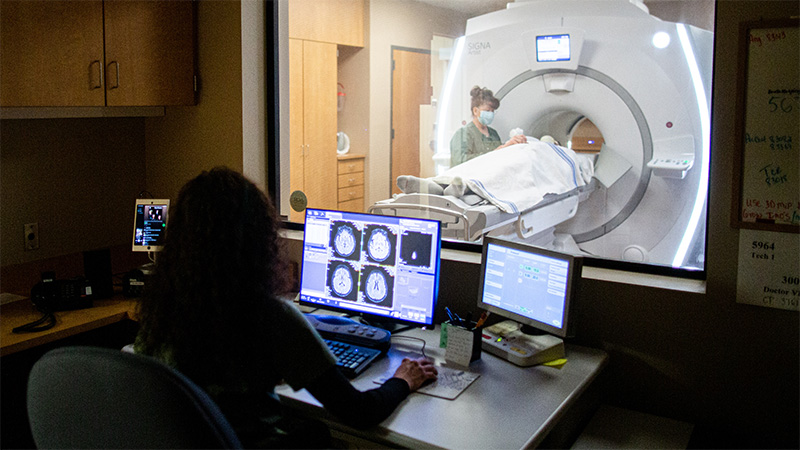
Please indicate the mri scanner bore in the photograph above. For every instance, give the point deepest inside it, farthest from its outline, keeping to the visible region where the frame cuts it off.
(628, 97)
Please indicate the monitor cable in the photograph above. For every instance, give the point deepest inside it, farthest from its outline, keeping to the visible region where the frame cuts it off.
(422, 350)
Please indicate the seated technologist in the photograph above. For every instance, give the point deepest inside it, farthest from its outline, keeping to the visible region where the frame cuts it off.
(477, 137)
(213, 311)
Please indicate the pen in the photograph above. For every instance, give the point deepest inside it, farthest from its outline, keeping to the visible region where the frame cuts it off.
(450, 315)
(482, 319)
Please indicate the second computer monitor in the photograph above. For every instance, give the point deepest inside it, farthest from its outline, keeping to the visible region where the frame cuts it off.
(529, 285)
(383, 267)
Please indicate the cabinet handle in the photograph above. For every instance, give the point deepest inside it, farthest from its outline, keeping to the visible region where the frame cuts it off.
(116, 64)
(99, 84)
(352, 180)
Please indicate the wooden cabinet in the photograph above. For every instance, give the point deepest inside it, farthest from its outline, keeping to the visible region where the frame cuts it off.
(312, 123)
(351, 183)
(336, 21)
(97, 53)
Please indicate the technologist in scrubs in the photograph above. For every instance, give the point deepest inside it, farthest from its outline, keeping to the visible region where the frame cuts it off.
(477, 137)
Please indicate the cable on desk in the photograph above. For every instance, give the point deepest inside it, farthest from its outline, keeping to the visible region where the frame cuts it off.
(39, 324)
(422, 350)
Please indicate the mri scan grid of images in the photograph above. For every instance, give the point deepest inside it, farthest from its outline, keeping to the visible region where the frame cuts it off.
(364, 260)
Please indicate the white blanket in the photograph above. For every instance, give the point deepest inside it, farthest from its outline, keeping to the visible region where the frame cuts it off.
(513, 178)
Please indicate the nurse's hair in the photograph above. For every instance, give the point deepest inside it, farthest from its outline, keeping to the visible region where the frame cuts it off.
(482, 96)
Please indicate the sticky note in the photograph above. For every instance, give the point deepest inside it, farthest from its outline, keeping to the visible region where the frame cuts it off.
(459, 346)
(557, 363)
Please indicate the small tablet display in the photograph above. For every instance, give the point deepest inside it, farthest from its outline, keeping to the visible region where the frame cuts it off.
(150, 224)
(552, 48)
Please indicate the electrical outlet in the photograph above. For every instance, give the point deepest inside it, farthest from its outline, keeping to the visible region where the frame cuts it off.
(31, 236)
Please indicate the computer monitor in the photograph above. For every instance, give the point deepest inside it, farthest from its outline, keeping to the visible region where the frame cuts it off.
(150, 224)
(385, 268)
(529, 285)
(552, 48)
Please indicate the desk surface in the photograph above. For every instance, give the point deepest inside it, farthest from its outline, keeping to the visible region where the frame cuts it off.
(68, 323)
(507, 407)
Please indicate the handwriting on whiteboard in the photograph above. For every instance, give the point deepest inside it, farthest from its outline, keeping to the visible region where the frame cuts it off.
(755, 210)
(765, 37)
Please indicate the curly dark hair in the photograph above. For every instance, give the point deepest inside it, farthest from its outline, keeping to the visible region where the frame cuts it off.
(482, 96)
(216, 282)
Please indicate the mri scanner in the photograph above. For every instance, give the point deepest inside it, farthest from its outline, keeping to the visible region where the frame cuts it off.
(645, 83)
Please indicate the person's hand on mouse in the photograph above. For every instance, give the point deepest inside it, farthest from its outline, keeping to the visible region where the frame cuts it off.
(416, 372)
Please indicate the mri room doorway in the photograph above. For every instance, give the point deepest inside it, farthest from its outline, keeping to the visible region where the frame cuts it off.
(411, 88)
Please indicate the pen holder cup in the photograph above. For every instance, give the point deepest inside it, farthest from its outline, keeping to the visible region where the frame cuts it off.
(462, 343)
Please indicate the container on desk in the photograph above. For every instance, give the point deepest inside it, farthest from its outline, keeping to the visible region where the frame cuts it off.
(462, 342)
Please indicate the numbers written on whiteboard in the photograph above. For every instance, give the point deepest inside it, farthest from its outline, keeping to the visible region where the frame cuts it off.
(783, 100)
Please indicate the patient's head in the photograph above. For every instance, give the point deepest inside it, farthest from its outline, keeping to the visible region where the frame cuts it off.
(549, 139)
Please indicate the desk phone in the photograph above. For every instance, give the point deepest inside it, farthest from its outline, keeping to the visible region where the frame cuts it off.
(343, 329)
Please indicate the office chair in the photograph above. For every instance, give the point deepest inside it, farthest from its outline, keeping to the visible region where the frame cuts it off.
(88, 397)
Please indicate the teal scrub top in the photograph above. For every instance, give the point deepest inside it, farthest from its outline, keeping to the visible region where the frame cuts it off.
(468, 142)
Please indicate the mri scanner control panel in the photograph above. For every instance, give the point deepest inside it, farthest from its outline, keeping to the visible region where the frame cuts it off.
(670, 168)
(670, 158)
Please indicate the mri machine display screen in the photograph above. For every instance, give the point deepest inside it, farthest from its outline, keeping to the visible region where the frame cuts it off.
(552, 48)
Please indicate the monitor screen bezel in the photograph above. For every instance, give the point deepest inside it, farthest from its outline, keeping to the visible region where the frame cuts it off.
(377, 319)
(573, 282)
(543, 37)
(147, 202)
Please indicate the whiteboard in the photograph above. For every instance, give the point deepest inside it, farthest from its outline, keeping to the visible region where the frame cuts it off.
(767, 173)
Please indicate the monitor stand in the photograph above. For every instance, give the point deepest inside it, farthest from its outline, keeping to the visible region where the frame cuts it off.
(148, 268)
(391, 327)
(506, 340)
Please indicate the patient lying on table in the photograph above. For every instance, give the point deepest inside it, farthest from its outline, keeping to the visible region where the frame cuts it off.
(514, 178)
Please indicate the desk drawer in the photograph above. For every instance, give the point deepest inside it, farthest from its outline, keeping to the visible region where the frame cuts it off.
(351, 165)
(350, 193)
(351, 179)
(356, 205)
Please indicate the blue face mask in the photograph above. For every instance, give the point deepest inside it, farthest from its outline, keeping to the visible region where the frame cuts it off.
(486, 117)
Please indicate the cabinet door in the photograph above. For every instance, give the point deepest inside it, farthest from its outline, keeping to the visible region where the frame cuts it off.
(52, 53)
(319, 123)
(149, 52)
(335, 21)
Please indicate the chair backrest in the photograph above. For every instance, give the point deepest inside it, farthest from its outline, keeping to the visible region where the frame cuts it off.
(89, 397)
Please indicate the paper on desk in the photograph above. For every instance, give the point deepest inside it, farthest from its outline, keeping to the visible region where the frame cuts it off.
(459, 346)
(7, 297)
(449, 384)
